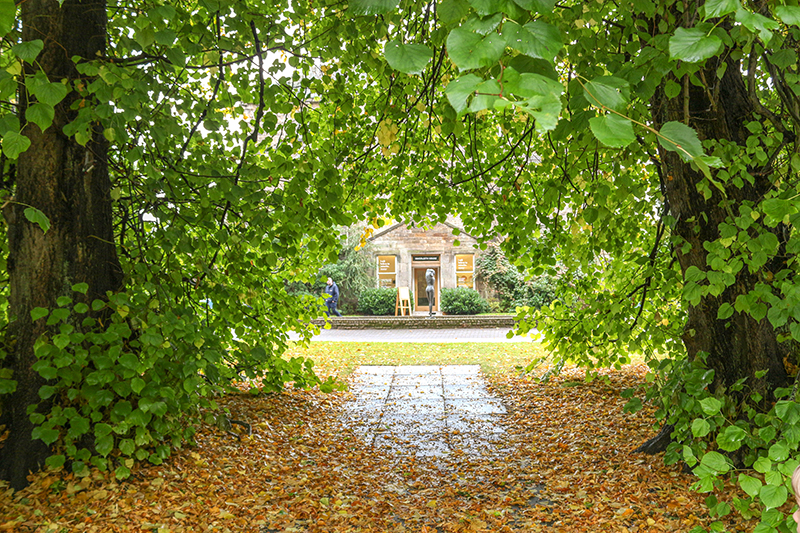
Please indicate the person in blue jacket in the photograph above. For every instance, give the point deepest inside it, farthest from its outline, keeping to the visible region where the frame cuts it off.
(331, 302)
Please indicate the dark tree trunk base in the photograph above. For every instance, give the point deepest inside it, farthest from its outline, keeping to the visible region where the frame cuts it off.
(658, 443)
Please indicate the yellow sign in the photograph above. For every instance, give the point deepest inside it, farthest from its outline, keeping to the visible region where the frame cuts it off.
(387, 280)
(386, 264)
(464, 263)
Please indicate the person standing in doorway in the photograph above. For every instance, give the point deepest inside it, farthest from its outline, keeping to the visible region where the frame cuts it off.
(331, 302)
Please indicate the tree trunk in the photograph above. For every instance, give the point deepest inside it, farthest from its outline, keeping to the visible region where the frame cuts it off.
(70, 184)
(739, 346)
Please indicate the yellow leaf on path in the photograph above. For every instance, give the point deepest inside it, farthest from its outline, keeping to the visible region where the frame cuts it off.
(226, 514)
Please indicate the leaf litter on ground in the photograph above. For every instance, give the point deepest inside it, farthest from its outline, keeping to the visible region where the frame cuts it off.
(567, 466)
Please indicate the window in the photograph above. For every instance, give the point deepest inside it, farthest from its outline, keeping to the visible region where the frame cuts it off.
(387, 271)
(465, 270)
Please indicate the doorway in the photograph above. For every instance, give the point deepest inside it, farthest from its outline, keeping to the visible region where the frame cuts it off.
(420, 296)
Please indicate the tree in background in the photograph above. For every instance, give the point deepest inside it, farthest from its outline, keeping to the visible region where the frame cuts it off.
(350, 271)
(510, 285)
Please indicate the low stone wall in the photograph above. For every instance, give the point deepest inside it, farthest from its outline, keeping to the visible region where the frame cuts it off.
(417, 322)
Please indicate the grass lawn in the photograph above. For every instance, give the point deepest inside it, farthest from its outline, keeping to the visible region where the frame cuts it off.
(340, 358)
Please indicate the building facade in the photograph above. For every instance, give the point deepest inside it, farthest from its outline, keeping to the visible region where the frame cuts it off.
(402, 255)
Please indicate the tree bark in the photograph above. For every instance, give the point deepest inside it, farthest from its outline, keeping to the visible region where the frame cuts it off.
(70, 184)
(739, 346)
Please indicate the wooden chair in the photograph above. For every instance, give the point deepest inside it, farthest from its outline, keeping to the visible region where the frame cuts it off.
(403, 302)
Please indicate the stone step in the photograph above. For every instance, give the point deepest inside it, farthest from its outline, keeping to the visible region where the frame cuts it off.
(418, 322)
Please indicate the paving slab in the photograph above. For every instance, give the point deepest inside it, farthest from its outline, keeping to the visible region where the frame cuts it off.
(426, 411)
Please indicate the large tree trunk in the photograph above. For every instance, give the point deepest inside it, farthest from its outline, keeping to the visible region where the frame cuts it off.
(70, 184)
(740, 346)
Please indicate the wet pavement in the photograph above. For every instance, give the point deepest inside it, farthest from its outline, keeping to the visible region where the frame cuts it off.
(426, 411)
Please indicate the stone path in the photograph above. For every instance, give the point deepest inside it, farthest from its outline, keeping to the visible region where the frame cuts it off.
(427, 411)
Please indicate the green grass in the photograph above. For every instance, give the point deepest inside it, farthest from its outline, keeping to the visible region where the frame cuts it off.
(340, 358)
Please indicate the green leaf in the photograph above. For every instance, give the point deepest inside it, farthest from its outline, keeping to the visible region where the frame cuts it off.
(715, 461)
(14, 143)
(700, 427)
(40, 114)
(451, 11)
(122, 472)
(28, 50)
(731, 439)
(779, 452)
(719, 8)
(407, 58)
(37, 217)
(608, 92)
(693, 45)
(539, 6)
(678, 137)
(8, 13)
(612, 130)
(460, 89)
(757, 24)
(137, 384)
(82, 288)
(750, 485)
(469, 51)
(710, 406)
(483, 26)
(773, 496)
(536, 39)
(7, 386)
(373, 7)
(55, 461)
(488, 7)
(50, 93)
(104, 444)
(49, 436)
(725, 311)
(762, 464)
(38, 312)
(789, 15)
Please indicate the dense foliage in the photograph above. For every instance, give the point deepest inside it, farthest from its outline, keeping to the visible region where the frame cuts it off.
(510, 285)
(377, 301)
(351, 272)
(462, 301)
(655, 142)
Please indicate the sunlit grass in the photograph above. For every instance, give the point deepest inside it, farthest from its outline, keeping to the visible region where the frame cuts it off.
(338, 359)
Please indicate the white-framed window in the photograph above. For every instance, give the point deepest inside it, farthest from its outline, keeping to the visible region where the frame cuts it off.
(387, 271)
(465, 271)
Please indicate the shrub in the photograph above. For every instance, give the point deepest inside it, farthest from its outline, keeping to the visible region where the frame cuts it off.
(509, 283)
(379, 301)
(463, 301)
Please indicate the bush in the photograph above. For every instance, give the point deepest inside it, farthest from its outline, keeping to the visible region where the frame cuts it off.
(509, 283)
(377, 301)
(463, 301)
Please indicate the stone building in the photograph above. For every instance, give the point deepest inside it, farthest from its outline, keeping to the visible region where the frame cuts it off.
(402, 254)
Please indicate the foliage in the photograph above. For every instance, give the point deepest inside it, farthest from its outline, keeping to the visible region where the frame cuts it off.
(307, 439)
(653, 146)
(462, 301)
(378, 301)
(350, 272)
(223, 184)
(655, 142)
(510, 285)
